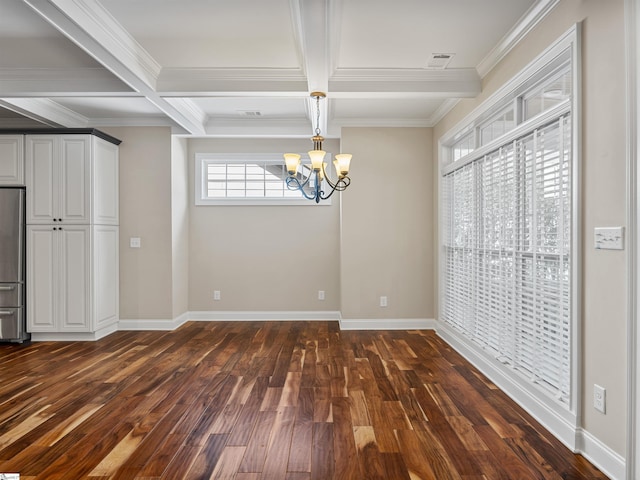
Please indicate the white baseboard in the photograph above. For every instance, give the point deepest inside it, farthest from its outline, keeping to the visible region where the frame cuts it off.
(609, 462)
(551, 414)
(239, 316)
(164, 324)
(563, 425)
(74, 336)
(388, 324)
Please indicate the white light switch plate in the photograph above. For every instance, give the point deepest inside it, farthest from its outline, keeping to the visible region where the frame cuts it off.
(609, 238)
(134, 242)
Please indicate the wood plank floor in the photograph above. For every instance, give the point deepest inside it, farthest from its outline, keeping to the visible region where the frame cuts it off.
(265, 400)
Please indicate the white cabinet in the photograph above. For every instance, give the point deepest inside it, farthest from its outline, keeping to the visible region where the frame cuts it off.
(58, 274)
(11, 159)
(71, 179)
(72, 236)
(72, 278)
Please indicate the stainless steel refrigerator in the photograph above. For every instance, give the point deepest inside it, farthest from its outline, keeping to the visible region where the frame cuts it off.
(12, 265)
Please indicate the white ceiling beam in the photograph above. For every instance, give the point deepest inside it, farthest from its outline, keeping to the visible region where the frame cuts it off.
(95, 31)
(311, 24)
(45, 111)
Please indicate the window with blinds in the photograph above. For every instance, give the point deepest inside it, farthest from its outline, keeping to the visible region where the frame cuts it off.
(507, 250)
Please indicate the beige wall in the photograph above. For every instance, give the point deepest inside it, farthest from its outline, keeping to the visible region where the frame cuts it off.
(180, 225)
(145, 212)
(262, 258)
(603, 190)
(387, 224)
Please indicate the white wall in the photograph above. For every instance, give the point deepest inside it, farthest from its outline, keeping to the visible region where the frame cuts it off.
(145, 212)
(180, 225)
(387, 224)
(262, 258)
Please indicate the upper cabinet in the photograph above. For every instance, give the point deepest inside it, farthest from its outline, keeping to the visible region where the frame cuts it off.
(71, 179)
(11, 160)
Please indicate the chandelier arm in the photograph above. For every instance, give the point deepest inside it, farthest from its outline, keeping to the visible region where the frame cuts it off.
(327, 179)
(294, 184)
(325, 197)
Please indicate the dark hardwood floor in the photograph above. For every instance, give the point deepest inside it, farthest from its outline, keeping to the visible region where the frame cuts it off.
(265, 400)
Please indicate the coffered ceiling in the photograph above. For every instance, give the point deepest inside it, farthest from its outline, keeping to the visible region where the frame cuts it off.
(245, 67)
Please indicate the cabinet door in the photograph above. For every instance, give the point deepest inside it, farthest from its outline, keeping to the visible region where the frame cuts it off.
(74, 187)
(42, 283)
(58, 281)
(58, 172)
(105, 276)
(11, 159)
(41, 178)
(105, 182)
(75, 278)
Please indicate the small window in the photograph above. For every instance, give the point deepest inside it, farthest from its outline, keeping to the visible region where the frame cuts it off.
(243, 179)
(547, 95)
(497, 126)
(463, 147)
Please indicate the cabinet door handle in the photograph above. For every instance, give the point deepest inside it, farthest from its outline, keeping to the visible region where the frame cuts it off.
(55, 219)
(6, 312)
(7, 288)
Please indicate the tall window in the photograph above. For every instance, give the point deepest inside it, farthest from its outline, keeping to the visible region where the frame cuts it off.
(507, 251)
(507, 228)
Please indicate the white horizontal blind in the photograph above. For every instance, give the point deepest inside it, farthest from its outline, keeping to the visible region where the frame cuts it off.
(507, 238)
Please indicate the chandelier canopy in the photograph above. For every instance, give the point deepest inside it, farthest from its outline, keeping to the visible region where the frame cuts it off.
(310, 179)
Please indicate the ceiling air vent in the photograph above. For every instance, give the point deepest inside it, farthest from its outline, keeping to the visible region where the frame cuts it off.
(439, 61)
(250, 113)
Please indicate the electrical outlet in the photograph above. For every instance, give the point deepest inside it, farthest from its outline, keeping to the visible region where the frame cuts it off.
(599, 398)
(320, 294)
(383, 301)
(216, 295)
(134, 242)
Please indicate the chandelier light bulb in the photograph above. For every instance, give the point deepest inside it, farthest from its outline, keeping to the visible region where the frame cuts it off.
(342, 162)
(292, 160)
(317, 157)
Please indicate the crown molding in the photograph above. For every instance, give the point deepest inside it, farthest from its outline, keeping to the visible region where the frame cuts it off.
(232, 82)
(460, 82)
(53, 82)
(528, 21)
(443, 110)
(45, 111)
(252, 128)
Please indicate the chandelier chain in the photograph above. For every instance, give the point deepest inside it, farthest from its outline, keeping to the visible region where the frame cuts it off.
(317, 115)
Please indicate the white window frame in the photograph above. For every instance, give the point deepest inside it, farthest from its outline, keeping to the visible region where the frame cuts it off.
(202, 160)
(560, 418)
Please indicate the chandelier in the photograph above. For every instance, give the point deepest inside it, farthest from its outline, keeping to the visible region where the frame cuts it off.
(311, 182)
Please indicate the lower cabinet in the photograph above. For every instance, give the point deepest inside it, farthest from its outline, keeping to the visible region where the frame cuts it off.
(72, 278)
